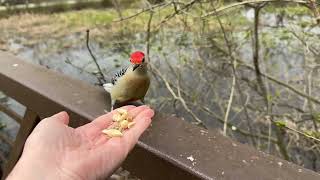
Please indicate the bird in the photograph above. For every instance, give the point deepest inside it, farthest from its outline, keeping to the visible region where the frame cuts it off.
(131, 83)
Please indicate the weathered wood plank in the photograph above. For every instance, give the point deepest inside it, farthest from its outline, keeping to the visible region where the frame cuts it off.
(30, 120)
(15, 116)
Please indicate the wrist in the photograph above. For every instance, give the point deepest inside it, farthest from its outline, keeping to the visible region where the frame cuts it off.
(36, 168)
(28, 168)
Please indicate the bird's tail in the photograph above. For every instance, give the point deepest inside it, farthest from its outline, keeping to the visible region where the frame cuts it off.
(107, 87)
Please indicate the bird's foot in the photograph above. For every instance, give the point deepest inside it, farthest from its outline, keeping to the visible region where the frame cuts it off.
(113, 102)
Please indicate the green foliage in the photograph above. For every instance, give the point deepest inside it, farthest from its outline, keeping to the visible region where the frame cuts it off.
(305, 24)
(316, 116)
(284, 35)
(270, 97)
(312, 134)
(88, 17)
(277, 93)
(288, 10)
(296, 10)
(268, 39)
(2, 125)
(280, 123)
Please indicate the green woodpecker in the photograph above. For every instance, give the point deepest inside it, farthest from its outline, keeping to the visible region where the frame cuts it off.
(130, 83)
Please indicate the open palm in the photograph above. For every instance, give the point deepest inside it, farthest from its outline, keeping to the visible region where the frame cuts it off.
(59, 151)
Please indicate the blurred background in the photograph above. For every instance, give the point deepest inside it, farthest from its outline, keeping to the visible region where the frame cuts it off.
(249, 69)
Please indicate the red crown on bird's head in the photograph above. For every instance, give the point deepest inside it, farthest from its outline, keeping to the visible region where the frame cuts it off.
(137, 57)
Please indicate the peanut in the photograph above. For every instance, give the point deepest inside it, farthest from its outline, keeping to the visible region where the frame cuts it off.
(112, 132)
(131, 124)
(124, 124)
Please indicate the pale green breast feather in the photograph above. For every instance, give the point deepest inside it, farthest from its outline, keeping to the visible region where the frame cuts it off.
(131, 86)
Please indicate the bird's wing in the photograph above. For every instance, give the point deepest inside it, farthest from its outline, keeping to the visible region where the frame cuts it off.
(114, 79)
(107, 87)
(118, 74)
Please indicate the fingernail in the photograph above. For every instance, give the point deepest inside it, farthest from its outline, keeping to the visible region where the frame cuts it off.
(60, 115)
(150, 113)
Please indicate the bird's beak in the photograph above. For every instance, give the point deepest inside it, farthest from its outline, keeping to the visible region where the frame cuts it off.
(136, 66)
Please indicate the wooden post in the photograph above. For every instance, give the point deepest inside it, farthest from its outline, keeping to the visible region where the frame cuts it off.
(30, 120)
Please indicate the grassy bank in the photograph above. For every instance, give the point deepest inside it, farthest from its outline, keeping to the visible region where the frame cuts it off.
(32, 28)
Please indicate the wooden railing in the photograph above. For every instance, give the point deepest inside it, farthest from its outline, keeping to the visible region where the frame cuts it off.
(163, 151)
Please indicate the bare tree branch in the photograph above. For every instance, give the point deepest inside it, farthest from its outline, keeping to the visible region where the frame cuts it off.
(95, 60)
(152, 8)
(234, 66)
(217, 11)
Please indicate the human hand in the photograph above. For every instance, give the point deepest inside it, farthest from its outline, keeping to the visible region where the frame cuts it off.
(56, 151)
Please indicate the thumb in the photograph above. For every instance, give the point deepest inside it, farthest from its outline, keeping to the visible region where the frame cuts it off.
(61, 117)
